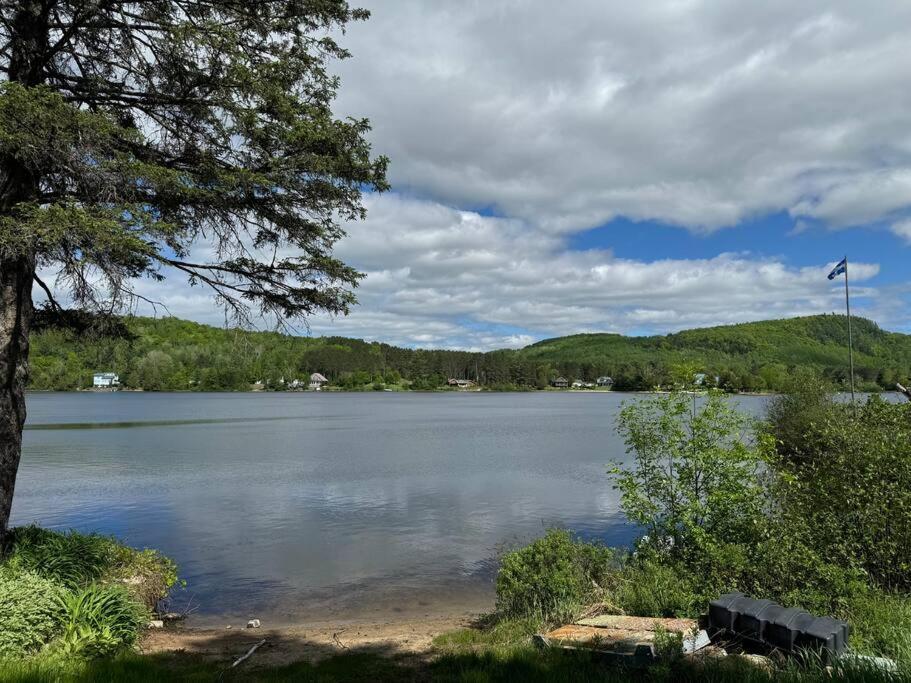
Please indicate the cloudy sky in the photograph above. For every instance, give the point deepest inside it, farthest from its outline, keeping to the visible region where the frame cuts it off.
(636, 167)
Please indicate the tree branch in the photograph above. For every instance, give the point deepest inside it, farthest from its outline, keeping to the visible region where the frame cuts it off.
(50, 297)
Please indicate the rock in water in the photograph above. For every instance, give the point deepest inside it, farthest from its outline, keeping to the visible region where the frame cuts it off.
(253, 623)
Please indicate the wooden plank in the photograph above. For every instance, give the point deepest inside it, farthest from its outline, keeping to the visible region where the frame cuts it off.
(596, 638)
(620, 622)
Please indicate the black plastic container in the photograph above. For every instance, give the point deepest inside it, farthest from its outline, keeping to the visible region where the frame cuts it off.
(825, 635)
(723, 612)
(752, 620)
(774, 626)
(785, 625)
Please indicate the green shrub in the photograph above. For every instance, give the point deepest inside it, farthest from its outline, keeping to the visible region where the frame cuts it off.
(694, 471)
(99, 619)
(30, 612)
(553, 576)
(92, 591)
(846, 486)
(147, 574)
(785, 568)
(649, 588)
(77, 560)
(793, 416)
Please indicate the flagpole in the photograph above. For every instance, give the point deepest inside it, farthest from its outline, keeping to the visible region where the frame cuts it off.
(850, 336)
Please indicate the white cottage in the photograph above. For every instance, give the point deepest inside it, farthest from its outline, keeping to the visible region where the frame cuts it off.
(105, 380)
(317, 381)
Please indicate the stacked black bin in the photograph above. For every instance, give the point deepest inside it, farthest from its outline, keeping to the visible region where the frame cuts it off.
(770, 624)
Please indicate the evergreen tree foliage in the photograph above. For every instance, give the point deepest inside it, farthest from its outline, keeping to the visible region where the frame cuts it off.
(149, 138)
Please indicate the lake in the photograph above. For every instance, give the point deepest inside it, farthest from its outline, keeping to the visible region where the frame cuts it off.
(317, 506)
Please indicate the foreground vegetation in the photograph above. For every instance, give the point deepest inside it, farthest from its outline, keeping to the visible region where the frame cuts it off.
(68, 597)
(504, 655)
(809, 508)
(173, 355)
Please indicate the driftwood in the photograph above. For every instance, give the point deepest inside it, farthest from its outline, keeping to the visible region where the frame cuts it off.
(906, 392)
(335, 637)
(249, 652)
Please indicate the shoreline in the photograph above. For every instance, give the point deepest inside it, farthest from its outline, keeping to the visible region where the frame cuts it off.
(402, 391)
(409, 637)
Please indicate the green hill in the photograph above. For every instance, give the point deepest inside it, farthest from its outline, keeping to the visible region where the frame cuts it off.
(749, 356)
(171, 354)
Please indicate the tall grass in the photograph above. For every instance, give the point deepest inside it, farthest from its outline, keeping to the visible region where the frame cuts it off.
(71, 558)
(99, 620)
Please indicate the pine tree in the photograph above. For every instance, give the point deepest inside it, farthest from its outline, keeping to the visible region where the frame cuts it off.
(161, 137)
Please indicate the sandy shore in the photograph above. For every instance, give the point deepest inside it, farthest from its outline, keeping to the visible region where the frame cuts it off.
(409, 637)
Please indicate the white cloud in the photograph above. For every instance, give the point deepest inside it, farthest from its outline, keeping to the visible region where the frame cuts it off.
(559, 117)
(437, 276)
(903, 230)
(856, 199)
(698, 114)
(440, 277)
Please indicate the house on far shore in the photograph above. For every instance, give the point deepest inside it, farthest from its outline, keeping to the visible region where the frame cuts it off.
(460, 383)
(105, 380)
(317, 381)
(605, 382)
(561, 383)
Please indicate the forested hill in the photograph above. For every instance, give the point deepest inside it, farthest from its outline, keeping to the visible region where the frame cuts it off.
(171, 354)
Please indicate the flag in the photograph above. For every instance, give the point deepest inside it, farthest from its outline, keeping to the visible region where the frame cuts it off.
(839, 269)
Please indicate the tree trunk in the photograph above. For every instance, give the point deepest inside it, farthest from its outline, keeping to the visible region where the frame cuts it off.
(27, 48)
(15, 321)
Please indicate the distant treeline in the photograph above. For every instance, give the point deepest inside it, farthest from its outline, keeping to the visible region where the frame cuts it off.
(175, 355)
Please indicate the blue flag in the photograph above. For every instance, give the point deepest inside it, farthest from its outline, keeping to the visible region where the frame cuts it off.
(839, 269)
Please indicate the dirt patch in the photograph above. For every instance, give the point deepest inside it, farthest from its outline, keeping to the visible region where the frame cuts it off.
(311, 642)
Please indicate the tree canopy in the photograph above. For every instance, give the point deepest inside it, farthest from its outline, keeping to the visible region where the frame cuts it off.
(190, 136)
(160, 137)
(170, 354)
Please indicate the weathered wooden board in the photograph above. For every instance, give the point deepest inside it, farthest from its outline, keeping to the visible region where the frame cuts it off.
(598, 638)
(615, 621)
(627, 639)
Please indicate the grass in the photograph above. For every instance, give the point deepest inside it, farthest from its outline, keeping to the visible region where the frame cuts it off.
(881, 626)
(517, 663)
(498, 651)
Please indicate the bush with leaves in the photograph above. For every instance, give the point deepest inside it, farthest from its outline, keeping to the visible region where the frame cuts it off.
(696, 472)
(793, 418)
(552, 577)
(846, 483)
(30, 612)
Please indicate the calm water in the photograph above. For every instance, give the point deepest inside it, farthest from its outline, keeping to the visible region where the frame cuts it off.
(313, 506)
